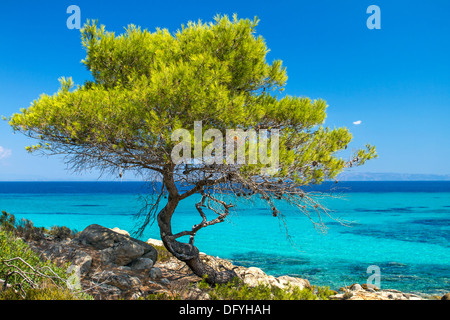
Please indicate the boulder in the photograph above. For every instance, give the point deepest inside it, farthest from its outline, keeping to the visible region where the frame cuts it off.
(116, 248)
(121, 280)
(196, 294)
(255, 276)
(83, 261)
(151, 254)
(216, 262)
(106, 291)
(366, 286)
(54, 250)
(446, 296)
(121, 253)
(357, 287)
(141, 264)
(286, 281)
(155, 273)
(99, 237)
(124, 232)
(155, 242)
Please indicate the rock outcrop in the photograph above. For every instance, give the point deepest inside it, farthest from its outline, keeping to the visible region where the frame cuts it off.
(370, 292)
(113, 265)
(109, 262)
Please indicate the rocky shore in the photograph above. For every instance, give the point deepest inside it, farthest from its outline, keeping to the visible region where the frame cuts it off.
(109, 264)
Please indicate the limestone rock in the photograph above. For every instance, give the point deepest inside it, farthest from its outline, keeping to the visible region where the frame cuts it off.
(82, 260)
(356, 287)
(285, 281)
(155, 242)
(155, 273)
(255, 276)
(121, 253)
(108, 291)
(116, 246)
(99, 237)
(364, 292)
(102, 238)
(119, 231)
(121, 280)
(151, 254)
(141, 264)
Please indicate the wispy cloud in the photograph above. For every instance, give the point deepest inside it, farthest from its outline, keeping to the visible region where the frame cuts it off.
(4, 153)
(357, 122)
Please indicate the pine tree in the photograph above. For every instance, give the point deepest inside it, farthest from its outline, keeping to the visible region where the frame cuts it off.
(149, 84)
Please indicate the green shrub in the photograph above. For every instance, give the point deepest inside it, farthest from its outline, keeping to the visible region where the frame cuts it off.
(29, 232)
(61, 233)
(24, 229)
(44, 292)
(324, 293)
(238, 290)
(163, 253)
(28, 276)
(7, 222)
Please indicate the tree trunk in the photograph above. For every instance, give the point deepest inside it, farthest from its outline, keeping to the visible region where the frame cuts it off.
(187, 252)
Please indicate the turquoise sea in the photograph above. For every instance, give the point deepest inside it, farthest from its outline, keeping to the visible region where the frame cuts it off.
(401, 227)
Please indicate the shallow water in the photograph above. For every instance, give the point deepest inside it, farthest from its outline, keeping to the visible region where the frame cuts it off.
(401, 227)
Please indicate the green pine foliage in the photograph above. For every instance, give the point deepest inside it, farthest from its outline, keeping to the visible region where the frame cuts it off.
(148, 84)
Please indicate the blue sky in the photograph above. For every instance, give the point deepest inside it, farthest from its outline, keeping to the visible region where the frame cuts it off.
(395, 80)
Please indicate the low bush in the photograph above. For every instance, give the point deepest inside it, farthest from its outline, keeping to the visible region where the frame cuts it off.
(163, 253)
(238, 290)
(61, 233)
(23, 274)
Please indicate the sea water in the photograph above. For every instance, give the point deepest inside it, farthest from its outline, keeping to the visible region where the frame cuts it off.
(400, 227)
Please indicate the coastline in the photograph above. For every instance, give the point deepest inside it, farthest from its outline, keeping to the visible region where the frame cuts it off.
(111, 268)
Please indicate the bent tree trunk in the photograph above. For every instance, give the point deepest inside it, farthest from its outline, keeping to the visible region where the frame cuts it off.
(187, 252)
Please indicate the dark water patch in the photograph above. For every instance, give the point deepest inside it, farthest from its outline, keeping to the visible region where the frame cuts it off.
(273, 264)
(381, 186)
(250, 210)
(65, 187)
(404, 209)
(253, 257)
(432, 222)
(436, 211)
(371, 210)
(345, 225)
(404, 232)
(72, 213)
(140, 187)
(88, 205)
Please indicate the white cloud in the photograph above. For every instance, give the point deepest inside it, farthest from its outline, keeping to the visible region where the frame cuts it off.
(357, 122)
(4, 153)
